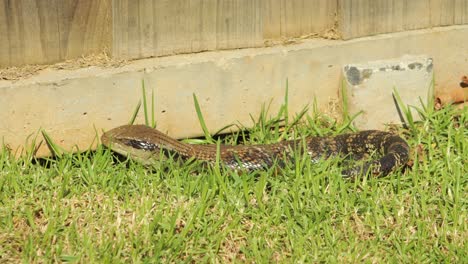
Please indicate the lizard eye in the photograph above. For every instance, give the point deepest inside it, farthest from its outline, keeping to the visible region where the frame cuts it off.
(139, 144)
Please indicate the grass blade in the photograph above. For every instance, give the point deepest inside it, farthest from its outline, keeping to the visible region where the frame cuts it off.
(407, 119)
(153, 121)
(286, 101)
(135, 113)
(145, 104)
(55, 149)
(206, 132)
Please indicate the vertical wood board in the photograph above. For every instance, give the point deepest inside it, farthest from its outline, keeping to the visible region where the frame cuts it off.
(145, 28)
(295, 18)
(47, 31)
(359, 18)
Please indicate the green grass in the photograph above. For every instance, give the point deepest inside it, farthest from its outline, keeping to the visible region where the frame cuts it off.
(90, 207)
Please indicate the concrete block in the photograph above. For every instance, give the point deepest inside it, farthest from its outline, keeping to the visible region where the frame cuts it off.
(370, 87)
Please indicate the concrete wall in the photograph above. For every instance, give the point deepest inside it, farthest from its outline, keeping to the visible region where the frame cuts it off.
(73, 104)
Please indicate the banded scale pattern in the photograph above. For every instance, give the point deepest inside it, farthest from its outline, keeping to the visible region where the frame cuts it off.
(145, 144)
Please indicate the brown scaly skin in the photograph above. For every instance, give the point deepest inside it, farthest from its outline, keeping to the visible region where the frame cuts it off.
(145, 144)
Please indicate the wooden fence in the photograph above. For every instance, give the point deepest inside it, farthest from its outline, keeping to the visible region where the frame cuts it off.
(48, 31)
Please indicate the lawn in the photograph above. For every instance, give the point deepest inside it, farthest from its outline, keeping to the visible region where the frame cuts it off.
(93, 207)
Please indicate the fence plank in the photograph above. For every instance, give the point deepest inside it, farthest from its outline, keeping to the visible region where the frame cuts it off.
(47, 31)
(21, 34)
(369, 17)
(184, 26)
(145, 28)
(461, 12)
(4, 45)
(85, 27)
(294, 18)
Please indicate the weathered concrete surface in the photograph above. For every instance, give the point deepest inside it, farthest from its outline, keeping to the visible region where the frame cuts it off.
(370, 87)
(230, 85)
